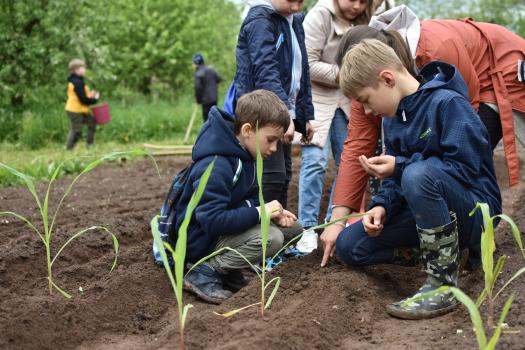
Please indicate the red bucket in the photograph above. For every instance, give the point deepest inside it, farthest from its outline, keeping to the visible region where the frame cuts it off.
(101, 113)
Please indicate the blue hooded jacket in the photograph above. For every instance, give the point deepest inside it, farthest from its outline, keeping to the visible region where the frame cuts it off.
(226, 208)
(264, 60)
(437, 124)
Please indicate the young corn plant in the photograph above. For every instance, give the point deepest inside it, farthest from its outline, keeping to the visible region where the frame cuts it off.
(265, 302)
(491, 273)
(46, 232)
(179, 254)
(488, 246)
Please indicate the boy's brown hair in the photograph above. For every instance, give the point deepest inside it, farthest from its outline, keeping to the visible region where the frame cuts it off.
(75, 63)
(261, 106)
(363, 63)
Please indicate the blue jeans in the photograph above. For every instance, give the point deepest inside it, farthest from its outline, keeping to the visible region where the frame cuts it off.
(313, 167)
(430, 194)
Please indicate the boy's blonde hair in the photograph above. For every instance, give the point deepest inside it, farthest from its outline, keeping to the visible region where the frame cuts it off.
(362, 64)
(75, 63)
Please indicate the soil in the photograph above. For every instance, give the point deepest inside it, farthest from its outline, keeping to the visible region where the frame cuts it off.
(133, 307)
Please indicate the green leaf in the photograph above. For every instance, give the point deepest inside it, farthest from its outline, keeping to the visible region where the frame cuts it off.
(80, 233)
(274, 291)
(474, 316)
(236, 311)
(515, 232)
(497, 332)
(516, 275)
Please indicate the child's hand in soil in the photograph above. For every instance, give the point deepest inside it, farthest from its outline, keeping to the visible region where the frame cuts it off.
(380, 166)
(373, 221)
(286, 219)
(328, 239)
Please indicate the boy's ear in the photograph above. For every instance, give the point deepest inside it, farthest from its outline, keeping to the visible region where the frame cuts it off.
(246, 128)
(387, 77)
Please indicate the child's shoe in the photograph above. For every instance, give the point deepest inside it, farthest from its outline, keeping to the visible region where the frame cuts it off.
(207, 283)
(234, 280)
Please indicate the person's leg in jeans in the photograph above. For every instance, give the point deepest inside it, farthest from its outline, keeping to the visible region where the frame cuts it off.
(75, 131)
(314, 161)
(431, 194)
(91, 126)
(338, 132)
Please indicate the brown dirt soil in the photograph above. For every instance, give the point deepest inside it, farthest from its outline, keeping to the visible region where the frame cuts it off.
(133, 307)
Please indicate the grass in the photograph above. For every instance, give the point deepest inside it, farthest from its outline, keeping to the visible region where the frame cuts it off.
(41, 137)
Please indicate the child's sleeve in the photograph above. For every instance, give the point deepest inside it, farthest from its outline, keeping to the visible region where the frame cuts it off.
(213, 212)
(389, 196)
(80, 89)
(263, 55)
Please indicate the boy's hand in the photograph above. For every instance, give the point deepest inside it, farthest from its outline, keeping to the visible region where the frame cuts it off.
(288, 135)
(273, 208)
(373, 220)
(286, 219)
(380, 166)
(328, 239)
(310, 131)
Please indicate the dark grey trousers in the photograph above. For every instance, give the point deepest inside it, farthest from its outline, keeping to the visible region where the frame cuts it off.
(78, 120)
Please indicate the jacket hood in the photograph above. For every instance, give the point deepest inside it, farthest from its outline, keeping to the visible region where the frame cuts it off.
(217, 138)
(404, 21)
(435, 75)
(264, 3)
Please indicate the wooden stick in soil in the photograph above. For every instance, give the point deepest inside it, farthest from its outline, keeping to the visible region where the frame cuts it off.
(190, 125)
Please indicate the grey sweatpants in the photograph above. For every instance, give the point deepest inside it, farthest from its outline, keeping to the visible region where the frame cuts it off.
(249, 244)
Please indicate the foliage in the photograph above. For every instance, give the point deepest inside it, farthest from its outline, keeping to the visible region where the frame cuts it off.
(179, 254)
(132, 48)
(48, 222)
(509, 13)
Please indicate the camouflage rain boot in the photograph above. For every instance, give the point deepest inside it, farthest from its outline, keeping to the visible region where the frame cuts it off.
(440, 257)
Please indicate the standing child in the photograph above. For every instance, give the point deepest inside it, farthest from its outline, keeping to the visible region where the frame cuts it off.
(324, 26)
(79, 98)
(438, 164)
(271, 55)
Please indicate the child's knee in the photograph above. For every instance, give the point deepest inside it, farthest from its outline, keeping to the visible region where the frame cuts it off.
(416, 177)
(349, 249)
(275, 241)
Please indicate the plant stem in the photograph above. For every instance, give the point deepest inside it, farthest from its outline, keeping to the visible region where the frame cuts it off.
(49, 273)
(182, 343)
(490, 318)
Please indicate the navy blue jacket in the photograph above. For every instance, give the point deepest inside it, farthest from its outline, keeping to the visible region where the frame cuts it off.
(225, 208)
(437, 124)
(261, 65)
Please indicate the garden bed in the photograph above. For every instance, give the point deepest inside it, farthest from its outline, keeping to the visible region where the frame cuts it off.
(134, 308)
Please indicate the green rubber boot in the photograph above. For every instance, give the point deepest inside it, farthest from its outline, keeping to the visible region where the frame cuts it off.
(440, 257)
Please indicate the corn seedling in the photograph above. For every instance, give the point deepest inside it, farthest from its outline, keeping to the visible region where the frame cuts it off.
(264, 302)
(488, 247)
(45, 234)
(179, 254)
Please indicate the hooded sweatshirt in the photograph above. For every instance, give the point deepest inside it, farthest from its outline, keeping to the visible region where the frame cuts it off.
(227, 207)
(271, 55)
(437, 124)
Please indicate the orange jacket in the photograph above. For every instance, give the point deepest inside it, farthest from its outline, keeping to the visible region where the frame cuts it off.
(486, 55)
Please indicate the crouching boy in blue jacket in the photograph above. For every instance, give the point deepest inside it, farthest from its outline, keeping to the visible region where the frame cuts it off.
(228, 214)
(438, 164)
